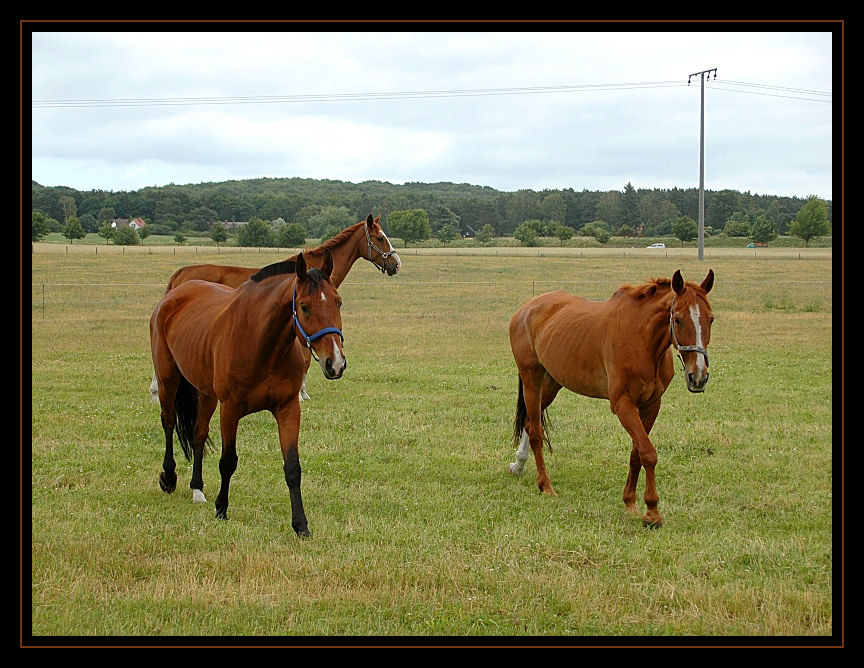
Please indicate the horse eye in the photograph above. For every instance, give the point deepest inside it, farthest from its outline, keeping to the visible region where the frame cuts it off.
(381, 239)
(304, 308)
(677, 320)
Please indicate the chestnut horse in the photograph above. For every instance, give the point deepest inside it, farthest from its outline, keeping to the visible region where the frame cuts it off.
(620, 350)
(243, 350)
(365, 239)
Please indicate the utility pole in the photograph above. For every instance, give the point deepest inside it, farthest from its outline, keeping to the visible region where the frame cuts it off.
(701, 76)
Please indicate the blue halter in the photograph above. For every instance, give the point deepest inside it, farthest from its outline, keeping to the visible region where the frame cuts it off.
(317, 335)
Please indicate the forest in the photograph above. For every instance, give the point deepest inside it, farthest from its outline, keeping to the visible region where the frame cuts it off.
(465, 207)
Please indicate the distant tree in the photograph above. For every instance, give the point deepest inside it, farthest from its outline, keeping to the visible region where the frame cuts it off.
(218, 233)
(630, 206)
(70, 209)
(179, 238)
(561, 231)
(106, 213)
(107, 232)
(88, 222)
(526, 232)
(291, 235)
(484, 236)
(811, 222)
(626, 231)
(40, 224)
(685, 229)
(763, 230)
(73, 229)
(410, 225)
(126, 236)
(447, 233)
(256, 232)
(144, 232)
(200, 217)
(329, 217)
(737, 227)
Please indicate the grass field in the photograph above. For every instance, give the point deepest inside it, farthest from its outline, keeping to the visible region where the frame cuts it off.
(418, 528)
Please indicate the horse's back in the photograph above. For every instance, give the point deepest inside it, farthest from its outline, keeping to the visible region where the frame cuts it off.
(566, 335)
(231, 276)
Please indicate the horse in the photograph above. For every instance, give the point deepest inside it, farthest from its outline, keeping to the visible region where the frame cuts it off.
(243, 350)
(620, 350)
(361, 240)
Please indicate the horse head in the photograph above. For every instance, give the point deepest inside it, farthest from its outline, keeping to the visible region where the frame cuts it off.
(378, 249)
(690, 321)
(316, 308)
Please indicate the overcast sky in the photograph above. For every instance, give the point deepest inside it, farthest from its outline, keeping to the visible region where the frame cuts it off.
(510, 110)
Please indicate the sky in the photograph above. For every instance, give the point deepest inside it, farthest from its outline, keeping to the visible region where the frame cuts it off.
(512, 109)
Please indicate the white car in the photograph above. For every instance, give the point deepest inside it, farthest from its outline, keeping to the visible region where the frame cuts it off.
(656, 246)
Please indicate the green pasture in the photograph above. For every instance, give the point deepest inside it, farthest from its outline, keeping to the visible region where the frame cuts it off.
(417, 527)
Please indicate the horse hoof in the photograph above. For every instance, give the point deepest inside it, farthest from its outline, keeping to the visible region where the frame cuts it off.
(198, 496)
(304, 534)
(648, 524)
(513, 470)
(222, 514)
(167, 485)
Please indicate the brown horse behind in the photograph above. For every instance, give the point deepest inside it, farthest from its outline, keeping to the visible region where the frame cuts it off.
(243, 350)
(365, 239)
(620, 350)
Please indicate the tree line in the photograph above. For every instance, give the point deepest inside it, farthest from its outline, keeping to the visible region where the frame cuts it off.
(320, 206)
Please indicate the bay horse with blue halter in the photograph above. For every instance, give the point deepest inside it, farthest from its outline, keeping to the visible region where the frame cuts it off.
(364, 240)
(243, 351)
(620, 350)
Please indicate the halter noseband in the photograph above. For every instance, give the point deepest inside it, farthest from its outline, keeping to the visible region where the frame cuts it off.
(678, 346)
(372, 247)
(317, 335)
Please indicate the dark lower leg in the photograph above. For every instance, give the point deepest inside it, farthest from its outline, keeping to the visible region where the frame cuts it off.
(227, 466)
(168, 476)
(292, 479)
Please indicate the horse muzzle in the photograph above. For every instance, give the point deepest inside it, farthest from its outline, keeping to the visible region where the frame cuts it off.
(696, 383)
(392, 265)
(333, 366)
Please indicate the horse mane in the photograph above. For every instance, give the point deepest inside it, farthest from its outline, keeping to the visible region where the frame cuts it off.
(283, 267)
(643, 290)
(289, 266)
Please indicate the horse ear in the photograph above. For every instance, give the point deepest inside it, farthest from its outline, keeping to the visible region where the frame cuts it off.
(708, 283)
(369, 220)
(301, 267)
(677, 282)
(327, 267)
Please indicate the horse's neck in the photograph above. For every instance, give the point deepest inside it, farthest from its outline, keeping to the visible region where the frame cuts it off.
(345, 255)
(264, 313)
(654, 323)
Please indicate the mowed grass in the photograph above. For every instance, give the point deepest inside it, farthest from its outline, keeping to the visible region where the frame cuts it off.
(418, 528)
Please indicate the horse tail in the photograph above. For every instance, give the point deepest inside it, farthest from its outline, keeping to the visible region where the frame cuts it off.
(522, 418)
(186, 407)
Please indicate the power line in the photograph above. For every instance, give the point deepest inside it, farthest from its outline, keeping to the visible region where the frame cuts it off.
(717, 86)
(338, 97)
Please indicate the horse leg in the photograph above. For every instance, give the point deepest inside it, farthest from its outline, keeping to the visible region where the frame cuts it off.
(549, 391)
(532, 395)
(206, 407)
(168, 475)
(229, 416)
(288, 419)
(628, 415)
(647, 414)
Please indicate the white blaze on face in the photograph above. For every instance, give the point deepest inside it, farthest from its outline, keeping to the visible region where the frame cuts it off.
(700, 359)
(390, 249)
